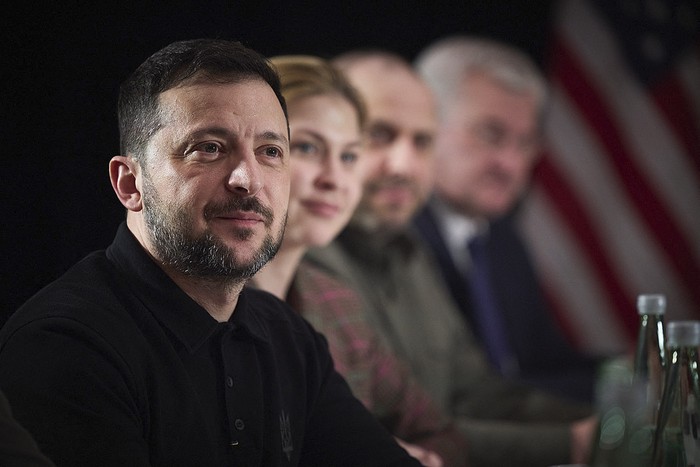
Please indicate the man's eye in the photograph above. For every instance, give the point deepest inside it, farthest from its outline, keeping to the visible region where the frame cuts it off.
(208, 147)
(423, 142)
(273, 152)
(379, 136)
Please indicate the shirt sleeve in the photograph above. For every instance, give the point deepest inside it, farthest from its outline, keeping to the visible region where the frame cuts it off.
(412, 415)
(503, 419)
(67, 388)
(341, 431)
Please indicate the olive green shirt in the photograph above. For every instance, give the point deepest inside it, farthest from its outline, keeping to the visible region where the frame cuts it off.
(505, 423)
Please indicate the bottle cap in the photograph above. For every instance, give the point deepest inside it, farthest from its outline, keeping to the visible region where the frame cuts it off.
(683, 333)
(648, 304)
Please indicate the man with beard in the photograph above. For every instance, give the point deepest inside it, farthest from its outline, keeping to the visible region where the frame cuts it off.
(406, 299)
(152, 352)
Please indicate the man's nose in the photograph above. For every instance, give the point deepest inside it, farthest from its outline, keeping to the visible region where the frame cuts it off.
(401, 157)
(246, 178)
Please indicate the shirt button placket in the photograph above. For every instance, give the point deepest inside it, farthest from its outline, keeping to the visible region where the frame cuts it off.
(238, 423)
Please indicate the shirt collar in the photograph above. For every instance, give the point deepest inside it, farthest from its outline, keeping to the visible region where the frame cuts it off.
(170, 305)
(375, 249)
(457, 230)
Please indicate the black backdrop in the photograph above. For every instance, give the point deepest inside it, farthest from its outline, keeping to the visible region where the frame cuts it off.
(62, 64)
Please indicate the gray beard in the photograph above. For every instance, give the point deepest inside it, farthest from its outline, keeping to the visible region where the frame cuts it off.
(203, 256)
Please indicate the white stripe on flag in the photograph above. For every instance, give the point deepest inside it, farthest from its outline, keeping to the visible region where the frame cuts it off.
(648, 137)
(636, 258)
(572, 281)
(658, 168)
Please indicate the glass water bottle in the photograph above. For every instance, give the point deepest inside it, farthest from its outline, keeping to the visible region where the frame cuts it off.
(628, 406)
(677, 441)
(650, 356)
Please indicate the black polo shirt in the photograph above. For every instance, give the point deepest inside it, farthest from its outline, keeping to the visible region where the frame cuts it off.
(113, 364)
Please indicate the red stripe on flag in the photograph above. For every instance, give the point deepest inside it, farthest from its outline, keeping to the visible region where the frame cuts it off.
(583, 230)
(673, 102)
(647, 204)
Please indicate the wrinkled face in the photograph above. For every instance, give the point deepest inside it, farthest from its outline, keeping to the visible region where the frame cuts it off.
(398, 145)
(326, 171)
(215, 183)
(486, 148)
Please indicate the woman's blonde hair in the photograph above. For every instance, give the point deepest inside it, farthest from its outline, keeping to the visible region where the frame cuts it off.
(303, 76)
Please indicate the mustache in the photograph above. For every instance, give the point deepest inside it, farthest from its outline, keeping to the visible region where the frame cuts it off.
(500, 176)
(212, 210)
(391, 182)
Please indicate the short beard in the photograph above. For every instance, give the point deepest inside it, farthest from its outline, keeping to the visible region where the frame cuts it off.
(370, 219)
(204, 256)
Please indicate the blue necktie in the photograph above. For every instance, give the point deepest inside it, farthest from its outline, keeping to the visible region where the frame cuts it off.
(486, 312)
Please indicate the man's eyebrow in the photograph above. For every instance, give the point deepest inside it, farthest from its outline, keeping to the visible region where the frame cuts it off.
(224, 132)
(274, 136)
(381, 124)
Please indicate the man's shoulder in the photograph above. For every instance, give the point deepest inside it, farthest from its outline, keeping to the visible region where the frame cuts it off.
(331, 257)
(274, 314)
(87, 280)
(333, 260)
(91, 293)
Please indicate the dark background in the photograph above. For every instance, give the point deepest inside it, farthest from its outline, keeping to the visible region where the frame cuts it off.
(63, 62)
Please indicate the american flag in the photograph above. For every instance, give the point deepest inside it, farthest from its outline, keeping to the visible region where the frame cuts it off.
(615, 206)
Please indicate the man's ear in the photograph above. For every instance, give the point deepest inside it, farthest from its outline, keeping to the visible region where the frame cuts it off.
(123, 173)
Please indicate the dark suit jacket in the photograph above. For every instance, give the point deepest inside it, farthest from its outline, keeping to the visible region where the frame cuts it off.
(546, 359)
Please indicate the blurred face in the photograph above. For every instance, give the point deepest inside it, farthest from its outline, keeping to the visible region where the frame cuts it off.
(215, 185)
(486, 148)
(399, 144)
(325, 166)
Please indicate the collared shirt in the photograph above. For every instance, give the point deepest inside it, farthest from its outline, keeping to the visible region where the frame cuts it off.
(457, 230)
(113, 364)
(464, 238)
(407, 302)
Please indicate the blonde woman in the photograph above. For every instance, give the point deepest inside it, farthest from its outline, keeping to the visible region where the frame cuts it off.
(325, 119)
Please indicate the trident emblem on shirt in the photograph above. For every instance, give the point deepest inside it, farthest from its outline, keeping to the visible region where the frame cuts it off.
(286, 430)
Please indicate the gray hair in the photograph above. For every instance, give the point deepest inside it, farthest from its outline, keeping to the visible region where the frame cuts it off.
(445, 63)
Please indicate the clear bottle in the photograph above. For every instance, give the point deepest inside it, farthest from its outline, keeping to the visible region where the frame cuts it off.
(628, 401)
(677, 440)
(622, 440)
(650, 355)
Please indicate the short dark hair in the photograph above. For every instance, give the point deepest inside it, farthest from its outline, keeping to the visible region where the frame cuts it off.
(191, 61)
